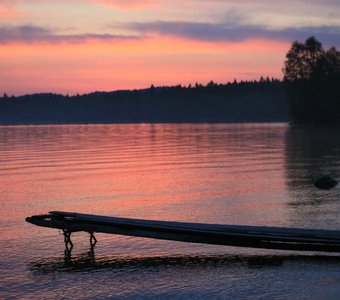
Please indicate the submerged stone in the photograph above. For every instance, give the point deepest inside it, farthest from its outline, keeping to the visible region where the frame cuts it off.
(325, 183)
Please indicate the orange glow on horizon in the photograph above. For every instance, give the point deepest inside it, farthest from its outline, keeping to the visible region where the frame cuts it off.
(128, 64)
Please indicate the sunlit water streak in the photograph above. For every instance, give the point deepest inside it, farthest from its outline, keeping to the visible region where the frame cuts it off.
(252, 174)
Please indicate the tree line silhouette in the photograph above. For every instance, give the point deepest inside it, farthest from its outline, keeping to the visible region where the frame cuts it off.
(312, 82)
(250, 101)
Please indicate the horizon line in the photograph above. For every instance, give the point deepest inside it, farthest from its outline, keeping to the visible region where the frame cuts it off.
(190, 85)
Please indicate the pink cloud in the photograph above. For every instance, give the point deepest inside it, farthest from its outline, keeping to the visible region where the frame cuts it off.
(127, 4)
(124, 4)
(8, 10)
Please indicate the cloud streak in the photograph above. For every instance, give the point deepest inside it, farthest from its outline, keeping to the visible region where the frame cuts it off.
(35, 34)
(199, 31)
(233, 32)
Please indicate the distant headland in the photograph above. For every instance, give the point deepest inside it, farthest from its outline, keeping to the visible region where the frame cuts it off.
(245, 101)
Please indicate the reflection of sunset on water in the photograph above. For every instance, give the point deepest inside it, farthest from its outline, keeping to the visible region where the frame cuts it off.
(248, 174)
(151, 171)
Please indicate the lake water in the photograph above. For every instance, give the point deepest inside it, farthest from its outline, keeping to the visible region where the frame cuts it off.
(252, 174)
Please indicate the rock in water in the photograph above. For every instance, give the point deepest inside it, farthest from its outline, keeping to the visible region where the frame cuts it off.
(325, 183)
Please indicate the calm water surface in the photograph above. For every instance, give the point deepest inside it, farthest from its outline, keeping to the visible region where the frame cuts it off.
(253, 174)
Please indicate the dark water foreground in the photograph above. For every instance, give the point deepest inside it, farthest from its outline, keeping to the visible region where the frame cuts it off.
(252, 174)
(220, 276)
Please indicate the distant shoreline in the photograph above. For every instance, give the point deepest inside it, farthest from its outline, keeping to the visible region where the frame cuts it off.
(244, 102)
(153, 123)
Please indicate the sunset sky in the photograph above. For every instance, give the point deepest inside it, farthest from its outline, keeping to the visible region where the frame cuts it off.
(80, 46)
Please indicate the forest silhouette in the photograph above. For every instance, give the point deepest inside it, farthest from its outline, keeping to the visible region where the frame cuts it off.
(251, 101)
